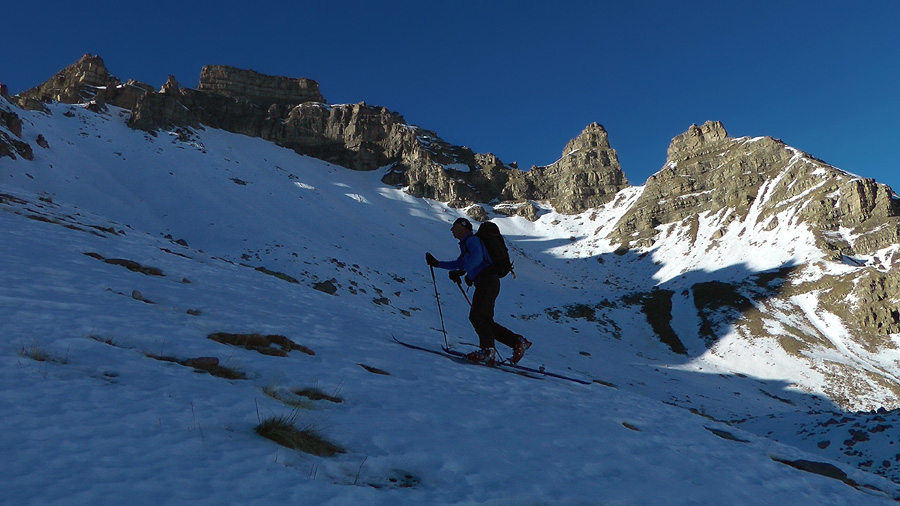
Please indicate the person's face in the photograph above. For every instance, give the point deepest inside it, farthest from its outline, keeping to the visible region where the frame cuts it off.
(459, 231)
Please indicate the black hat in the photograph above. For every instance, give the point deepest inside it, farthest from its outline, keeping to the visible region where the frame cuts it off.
(464, 222)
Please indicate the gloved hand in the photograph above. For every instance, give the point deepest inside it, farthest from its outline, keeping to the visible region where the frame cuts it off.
(468, 281)
(456, 276)
(430, 260)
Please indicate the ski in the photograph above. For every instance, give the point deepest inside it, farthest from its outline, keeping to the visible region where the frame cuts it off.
(504, 365)
(461, 358)
(540, 370)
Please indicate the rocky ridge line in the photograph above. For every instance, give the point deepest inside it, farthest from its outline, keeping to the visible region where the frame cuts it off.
(294, 114)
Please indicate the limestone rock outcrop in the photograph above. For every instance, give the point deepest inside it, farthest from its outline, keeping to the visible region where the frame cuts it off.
(727, 198)
(11, 143)
(260, 89)
(86, 80)
(587, 175)
(293, 113)
(709, 173)
(697, 138)
(240, 101)
(76, 83)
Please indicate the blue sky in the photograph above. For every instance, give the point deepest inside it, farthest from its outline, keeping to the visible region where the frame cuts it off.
(520, 79)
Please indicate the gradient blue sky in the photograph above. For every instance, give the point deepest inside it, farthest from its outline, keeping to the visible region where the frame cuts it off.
(520, 79)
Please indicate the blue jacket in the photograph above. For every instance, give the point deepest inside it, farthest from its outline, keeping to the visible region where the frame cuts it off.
(473, 257)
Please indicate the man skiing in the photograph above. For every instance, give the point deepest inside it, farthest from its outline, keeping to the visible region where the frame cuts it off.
(474, 262)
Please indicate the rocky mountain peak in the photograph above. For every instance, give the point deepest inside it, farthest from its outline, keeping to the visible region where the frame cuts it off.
(85, 81)
(76, 83)
(756, 180)
(587, 175)
(593, 137)
(697, 137)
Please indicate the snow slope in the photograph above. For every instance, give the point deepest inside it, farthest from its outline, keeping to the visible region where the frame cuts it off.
(247, 236)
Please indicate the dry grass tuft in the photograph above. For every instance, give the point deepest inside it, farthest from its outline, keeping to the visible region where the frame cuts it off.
(35, 352)
(204, 364)
(282, 430)
(314, 394)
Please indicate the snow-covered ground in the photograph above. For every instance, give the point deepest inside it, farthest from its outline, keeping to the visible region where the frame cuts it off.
(249, 238)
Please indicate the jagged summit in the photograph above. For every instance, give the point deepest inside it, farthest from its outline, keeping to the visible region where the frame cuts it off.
(754, 180)
(74, 84)
(587, 175)
(593, 136)
(757, 205)
(696, 137)
(85, 81)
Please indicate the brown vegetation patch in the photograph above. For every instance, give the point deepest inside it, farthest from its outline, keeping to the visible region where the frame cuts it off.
(182, 255)
(606, 384)
(288, 397)
(314, 394)
(5, 197)
(279, 275)
(204, 364)
(131, 265)
(43, 219)
(37, 353)
(281, 429)
(374, 370)
(270, 344)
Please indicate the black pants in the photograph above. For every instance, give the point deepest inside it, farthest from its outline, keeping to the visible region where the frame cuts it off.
(482, 314)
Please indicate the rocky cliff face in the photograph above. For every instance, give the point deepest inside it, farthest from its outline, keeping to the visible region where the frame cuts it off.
(79, 82)
(85, 81)
(11, 143)
(708, 173)
(587, 175)
(264, 91)
(293, 113)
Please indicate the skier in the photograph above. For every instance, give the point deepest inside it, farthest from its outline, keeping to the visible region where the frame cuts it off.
(474, 261)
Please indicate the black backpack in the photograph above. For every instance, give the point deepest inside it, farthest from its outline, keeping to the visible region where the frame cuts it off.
(490, 236)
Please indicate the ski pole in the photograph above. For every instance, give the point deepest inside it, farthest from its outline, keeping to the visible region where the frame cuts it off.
(459, 284)
(440, 312)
